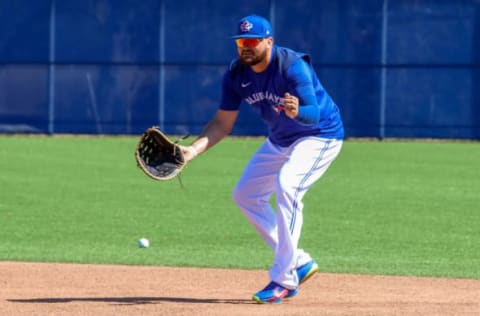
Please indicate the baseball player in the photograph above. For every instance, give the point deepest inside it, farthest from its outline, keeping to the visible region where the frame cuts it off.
(305, 136)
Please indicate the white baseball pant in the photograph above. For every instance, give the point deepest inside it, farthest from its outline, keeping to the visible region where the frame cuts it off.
(288, 172)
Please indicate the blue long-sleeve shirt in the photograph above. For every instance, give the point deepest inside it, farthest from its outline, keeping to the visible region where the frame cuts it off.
(290, 72)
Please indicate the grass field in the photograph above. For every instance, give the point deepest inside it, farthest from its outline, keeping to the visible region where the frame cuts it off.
(403, 208)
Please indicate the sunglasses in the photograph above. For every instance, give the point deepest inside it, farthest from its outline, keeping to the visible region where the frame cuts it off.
(248, 42)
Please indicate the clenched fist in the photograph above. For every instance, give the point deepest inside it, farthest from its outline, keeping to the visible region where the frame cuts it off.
(290, 103)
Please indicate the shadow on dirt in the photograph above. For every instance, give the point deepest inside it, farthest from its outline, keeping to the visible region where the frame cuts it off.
(131, 300)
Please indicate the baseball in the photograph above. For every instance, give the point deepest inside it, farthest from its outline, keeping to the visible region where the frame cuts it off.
(143, 243)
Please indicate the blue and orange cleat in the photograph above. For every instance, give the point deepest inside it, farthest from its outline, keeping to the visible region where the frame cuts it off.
(273, 293)
(304, 273)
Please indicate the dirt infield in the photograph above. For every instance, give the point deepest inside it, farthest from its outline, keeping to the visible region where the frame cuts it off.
(70, 289)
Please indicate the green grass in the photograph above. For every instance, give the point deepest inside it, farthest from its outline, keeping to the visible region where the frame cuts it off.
(403, 208)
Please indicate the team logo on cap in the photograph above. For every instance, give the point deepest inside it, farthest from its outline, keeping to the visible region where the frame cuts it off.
(246, 26)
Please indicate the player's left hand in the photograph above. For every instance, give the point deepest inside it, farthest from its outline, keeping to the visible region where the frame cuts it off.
(290, 103)
(188, 152)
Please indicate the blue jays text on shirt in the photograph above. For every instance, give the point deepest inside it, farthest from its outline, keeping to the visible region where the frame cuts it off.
(274, 99)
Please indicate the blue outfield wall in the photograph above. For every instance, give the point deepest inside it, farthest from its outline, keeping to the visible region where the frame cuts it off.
(407, 68)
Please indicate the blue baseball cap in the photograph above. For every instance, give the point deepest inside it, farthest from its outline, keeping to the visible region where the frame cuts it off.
(253, 26)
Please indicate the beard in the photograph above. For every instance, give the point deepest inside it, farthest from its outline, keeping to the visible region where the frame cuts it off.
(249, 58)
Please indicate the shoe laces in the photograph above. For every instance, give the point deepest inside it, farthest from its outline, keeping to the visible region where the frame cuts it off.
(272, 285)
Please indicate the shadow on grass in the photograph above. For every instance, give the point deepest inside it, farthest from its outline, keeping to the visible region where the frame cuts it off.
(132, 300)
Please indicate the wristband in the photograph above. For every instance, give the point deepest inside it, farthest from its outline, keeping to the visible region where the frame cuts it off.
(194, 151)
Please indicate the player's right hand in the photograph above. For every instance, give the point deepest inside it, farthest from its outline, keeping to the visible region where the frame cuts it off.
(290, 103)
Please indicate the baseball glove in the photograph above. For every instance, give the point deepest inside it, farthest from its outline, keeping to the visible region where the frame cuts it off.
(157, 156)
